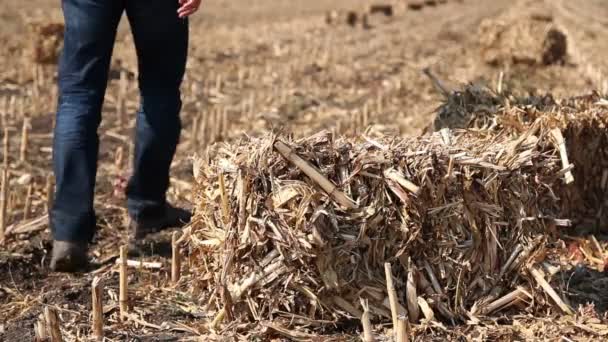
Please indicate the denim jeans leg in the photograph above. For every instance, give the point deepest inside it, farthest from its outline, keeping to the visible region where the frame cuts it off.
(90, 30)
(161, 40)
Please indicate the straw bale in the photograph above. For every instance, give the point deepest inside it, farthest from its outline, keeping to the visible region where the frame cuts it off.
(449, 215)
(45, 41)
(582, 120)
(527, 40)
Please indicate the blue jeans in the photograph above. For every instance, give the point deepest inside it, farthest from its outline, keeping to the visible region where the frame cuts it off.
(161, 41)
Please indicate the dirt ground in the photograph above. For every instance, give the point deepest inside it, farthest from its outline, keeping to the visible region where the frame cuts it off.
(254, 66)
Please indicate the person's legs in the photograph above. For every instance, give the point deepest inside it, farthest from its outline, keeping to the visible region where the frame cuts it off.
(90, 30)
(161, 39)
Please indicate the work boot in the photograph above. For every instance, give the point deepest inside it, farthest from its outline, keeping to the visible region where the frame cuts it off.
(172, 217)
(69, 256)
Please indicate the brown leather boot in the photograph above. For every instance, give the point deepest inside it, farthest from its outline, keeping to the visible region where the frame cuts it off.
(69, 256)
(172, 217)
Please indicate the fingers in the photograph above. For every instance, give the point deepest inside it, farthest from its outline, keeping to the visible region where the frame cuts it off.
(188, 8)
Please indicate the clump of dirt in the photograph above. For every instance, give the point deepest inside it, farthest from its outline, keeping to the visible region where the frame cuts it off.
(45, 41)
(585, 286)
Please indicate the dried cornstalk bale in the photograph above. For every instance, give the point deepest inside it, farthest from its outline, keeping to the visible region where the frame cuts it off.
(290, 243)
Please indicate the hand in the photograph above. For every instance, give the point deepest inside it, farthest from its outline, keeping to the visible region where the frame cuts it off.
(188, 7)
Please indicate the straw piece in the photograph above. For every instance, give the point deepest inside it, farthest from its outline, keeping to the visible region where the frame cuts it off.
(518, 249)
(563, 153)
(431, 274)
(24, 139)
(119, 159)
(394, 175)
(427, 311)
(520, 294)
(28, 201)
(175, 258)
(255, 277)
(346, 306)
(437, 82)
(3, 203)
(141, 264)
(540, 279)
(315, 175)
(392, 295)
(29, 226)
(412, 296)
(499, 83)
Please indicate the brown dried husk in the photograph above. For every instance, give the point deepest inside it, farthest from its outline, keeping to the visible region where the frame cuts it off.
(275, 246)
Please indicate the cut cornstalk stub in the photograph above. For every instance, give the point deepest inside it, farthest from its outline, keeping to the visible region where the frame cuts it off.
(3, 202)
(97, 304)
(50, 192)
(28, 201)
(175, 258)
(124, 286)
(5, 148)
(365, 322)
(402, 334)
(24, 140)
(52, 324)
